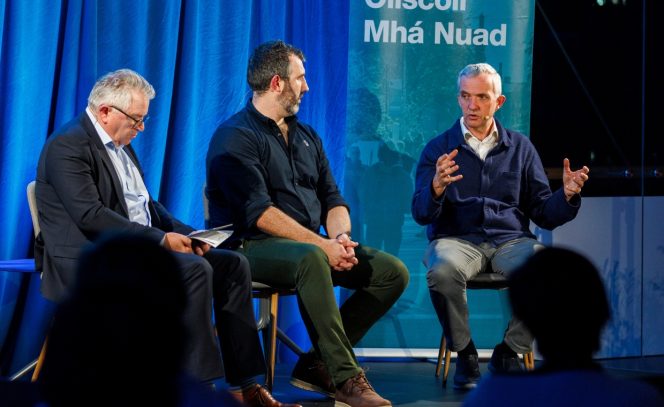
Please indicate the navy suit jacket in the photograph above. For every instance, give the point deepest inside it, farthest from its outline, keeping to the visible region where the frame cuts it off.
(79, 198)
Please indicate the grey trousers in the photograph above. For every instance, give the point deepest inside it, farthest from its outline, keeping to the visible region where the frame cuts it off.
(451, 262)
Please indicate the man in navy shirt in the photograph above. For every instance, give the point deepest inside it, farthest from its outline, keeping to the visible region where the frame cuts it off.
(478, 186)
(267, 173)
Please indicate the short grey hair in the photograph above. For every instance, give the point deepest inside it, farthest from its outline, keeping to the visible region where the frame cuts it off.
(114, 89)
(473, 70)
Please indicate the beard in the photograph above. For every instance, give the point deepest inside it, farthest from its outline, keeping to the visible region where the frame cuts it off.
(289, 101)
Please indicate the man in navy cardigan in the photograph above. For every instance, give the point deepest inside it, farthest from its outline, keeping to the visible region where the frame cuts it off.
(478, 186)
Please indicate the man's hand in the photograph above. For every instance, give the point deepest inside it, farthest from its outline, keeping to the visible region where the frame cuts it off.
(337, 255)
(349, 246)
(445, 168)
(573, 180)
(200, 248)
(177, 242)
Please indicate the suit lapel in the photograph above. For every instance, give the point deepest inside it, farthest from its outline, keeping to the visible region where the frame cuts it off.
(106, 160)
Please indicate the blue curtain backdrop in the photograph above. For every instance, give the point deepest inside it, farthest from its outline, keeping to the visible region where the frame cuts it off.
(194, 53)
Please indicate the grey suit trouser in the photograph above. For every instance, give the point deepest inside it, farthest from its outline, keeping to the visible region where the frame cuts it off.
(451, 262)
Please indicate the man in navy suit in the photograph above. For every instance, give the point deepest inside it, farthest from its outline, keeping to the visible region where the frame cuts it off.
(89, 182)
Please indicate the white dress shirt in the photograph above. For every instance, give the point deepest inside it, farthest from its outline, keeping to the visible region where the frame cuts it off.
(481, 148)
(135, 193)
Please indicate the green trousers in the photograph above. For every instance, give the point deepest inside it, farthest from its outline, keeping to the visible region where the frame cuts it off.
(378, 281)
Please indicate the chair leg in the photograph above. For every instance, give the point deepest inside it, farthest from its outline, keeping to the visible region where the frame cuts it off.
(441, 353)
(40, 361)
(281, 335)
(271, 353)
(446, 354)
(24, 370)
(529, 360)
(446, 370)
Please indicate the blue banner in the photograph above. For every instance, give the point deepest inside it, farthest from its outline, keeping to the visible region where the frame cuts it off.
(404, 57)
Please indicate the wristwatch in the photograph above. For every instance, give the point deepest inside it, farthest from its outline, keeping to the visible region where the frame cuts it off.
(344, 233)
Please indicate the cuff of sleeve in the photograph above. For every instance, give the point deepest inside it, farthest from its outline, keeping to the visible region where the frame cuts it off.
(575, 200)
(439, 200)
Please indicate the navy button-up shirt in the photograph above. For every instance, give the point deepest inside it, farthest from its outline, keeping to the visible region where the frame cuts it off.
(250, 168)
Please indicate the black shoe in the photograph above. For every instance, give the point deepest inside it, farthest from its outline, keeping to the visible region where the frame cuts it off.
(504, 362)
(311, 374)
(467, 372)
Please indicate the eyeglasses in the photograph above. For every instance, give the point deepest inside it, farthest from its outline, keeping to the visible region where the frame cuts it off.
(137, 122)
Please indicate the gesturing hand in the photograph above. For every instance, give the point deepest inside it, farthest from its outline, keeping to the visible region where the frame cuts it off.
(445, 168)
(573, 180)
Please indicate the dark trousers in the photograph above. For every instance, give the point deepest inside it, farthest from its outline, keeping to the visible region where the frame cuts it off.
(224, 276)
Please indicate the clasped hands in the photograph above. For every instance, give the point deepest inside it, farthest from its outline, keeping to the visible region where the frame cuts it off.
(341, 252)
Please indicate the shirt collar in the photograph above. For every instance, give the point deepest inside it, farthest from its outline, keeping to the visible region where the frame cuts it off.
(493, 133)
(103, 136)
(264, 119)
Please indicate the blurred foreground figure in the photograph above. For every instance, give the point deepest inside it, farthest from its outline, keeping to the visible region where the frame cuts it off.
(119, 339)
(559, 296)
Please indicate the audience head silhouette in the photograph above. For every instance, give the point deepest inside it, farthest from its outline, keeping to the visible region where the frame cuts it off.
(118, 339)
(558, 294)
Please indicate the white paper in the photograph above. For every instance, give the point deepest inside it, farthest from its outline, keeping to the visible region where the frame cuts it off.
(214, 237)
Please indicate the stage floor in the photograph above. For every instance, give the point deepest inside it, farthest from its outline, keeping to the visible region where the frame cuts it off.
(406, 382)
(411, 382)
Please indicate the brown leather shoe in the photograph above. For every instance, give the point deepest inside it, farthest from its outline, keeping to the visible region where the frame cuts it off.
(357, 392)
(259, 396)
(311, 374)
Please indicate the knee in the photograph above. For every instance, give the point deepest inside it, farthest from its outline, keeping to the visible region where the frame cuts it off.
(237, 263)
(232, 266)
(399, 274)
(200, 267)
(197, 272)
(443, 276)
(313, 263)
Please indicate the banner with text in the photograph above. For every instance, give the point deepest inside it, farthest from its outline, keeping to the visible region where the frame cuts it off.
(404, 57)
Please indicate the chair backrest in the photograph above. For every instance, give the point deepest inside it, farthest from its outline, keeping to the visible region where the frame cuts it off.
(32, 203)
(206, 208)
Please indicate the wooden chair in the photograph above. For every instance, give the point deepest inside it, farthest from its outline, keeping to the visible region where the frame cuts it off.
(483, 281)
(266, 322)
(20, 266)
(37, 363)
